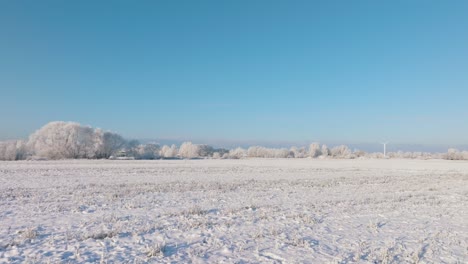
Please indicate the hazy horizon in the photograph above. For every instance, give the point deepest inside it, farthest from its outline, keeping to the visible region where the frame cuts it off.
(365, 146)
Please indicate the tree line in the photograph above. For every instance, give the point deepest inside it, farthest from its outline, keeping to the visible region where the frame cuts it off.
(70, 140)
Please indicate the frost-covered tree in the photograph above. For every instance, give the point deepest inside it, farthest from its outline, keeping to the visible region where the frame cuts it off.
(359, 153)
(325, 151)
(109, 144)
(63, 140)
(394, 155)
(221, 151)
(259, 152)
(409, 155)
(237, 153)
(205, 150)
(12, 150)
(376, 155)
(133, 148)
(315, 150)
(464, 155)
(70, 140)
(132, 144)
(8, 150)
(262, 152)
(341, 152)
(21, 150)
(169, 152)
(453, 154)
(147, 151)
(297, 153)
(255, 151)
(281, 153)
(188, 150)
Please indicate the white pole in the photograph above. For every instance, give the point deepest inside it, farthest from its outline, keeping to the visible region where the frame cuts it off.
(385, 149)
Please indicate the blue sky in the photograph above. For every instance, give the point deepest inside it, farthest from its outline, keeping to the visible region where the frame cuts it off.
(329, 71)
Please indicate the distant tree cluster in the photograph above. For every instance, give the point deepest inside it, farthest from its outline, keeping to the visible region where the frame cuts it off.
(455, 154)
(69, 140)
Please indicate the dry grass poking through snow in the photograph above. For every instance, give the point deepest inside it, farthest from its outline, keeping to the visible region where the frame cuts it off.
(234, 211)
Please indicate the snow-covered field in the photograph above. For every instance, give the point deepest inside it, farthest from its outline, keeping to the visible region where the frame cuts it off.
(234, 211)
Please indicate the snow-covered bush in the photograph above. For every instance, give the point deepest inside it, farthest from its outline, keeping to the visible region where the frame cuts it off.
(395, 155)
(298, 153)
(237, 153)
(262, 152)
(205, 150)
(169, 152)
(256, 151)
(148, 151)
(455, 154)
(375, 155)
(281, 153)
(325, 151)
(359, 153)
(464, 155)
(341, 152)
(188, 150)
(315, 150)
(12, 150)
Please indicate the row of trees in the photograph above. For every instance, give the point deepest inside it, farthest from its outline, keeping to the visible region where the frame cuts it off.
(314, 151)
(69, 140)
(187, 150)
(455, 154)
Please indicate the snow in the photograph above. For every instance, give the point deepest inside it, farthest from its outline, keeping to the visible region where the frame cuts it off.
(234, 211)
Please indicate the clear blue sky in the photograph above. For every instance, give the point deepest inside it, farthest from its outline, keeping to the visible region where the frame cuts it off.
(350, 71)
